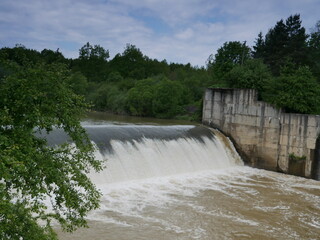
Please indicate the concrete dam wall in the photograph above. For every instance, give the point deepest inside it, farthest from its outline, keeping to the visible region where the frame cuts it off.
(265, 136)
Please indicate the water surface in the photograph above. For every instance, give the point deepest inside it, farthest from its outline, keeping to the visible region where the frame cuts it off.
(191, 186)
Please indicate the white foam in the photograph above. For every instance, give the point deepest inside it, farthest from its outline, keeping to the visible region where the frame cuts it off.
(156, 158)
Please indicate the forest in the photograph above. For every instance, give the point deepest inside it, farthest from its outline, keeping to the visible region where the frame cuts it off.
(41, 91)
(283, 65)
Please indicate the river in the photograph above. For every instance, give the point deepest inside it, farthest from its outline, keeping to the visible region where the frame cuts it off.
(171, 180)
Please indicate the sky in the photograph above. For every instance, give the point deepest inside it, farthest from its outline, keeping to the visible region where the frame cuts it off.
(180, 31)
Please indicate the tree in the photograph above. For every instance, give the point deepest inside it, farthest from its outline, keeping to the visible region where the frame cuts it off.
(106, 96)
(78, 83)
(92, 62)
(153, 67)
(114, 77)
(167, 99)
(295, 90)
(140, 98)
(314, 51)
(130, 64)
(252, 74)
(227, 56)
(286, 41)
(88, 51)
(275, 43)
(50, 56)
(259, 48)
(21, 55)
(296, 47)
(38, 182)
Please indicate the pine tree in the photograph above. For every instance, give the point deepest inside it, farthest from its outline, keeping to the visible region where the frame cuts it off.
(285, 42)
(296, 45)
(259, 48)
(276, 41)
(314, 51)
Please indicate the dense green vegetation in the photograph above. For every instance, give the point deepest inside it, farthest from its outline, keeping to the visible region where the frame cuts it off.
(283, 66)
(130, 83)
(44, 90)
(36, 98)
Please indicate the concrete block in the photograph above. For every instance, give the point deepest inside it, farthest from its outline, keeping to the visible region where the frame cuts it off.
(252, 110)
(270, 111)
(239, 109)
(228, 98)
(298, 151)
(285, 128)
(294, 131)
(262, 131)
(208, 97)
(271, 135)
(284, 139)
(207, 113)
(313, 121)
(285, 118)
(217, 122)
(247, 132)
(312, 132)
(246, 120)
(311, 143)
(270, 145)
(217, 96)
(283, 163)
(292, 142)
(308, 168)
(283, 149)
(272, 122)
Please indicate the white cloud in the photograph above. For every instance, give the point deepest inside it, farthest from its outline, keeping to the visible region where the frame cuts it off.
(172, 12)
(185, 34)
(182, 30)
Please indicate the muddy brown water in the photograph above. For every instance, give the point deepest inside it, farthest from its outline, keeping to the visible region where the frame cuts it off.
(238, 203)
(145, 196)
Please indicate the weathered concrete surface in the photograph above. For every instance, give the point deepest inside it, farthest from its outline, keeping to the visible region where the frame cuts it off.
(264, 135)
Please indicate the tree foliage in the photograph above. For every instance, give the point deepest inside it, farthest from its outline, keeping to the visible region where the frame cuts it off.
(131, 63)
(286, 41)
(160, 97)
(252, 74)
(259, 47)
(93, 52)
(314, 51)
(40, 183)
(39, 94)
(120, 84)
(167, 99)
(140, 97)
(92, 62)
(295, 90)
(229, 55)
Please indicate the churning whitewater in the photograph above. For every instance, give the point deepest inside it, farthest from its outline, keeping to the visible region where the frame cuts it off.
(141, 152)
(188, 182)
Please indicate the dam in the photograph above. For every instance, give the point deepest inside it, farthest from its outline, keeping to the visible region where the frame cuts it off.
(188, 182)
(266, 137)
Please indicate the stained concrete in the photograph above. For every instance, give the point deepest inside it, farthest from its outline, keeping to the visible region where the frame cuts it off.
(264, 135)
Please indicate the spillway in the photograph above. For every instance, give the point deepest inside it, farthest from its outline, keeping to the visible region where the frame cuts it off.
(133, 152)
(139, 152)
(188, 182)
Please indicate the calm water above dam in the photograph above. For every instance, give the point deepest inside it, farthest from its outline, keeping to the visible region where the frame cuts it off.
(182, 182)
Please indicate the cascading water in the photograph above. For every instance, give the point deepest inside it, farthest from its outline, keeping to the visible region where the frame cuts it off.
(140, 152)
(187, 182)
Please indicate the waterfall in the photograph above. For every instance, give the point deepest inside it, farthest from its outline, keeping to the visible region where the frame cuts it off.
(133, 152)
(137, 152)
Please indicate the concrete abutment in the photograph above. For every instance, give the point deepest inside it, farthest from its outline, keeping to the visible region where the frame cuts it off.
(265, 136)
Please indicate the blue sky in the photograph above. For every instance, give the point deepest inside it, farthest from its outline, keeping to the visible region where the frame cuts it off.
(176, 30)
